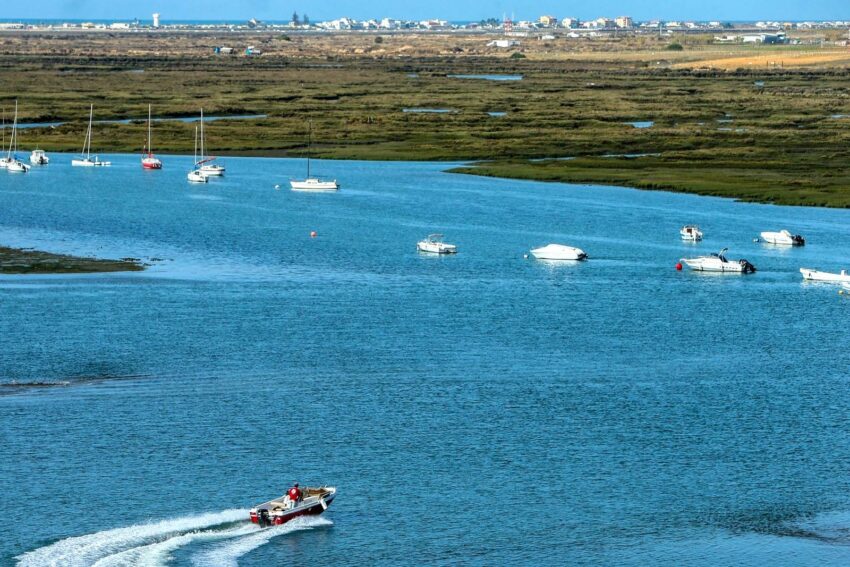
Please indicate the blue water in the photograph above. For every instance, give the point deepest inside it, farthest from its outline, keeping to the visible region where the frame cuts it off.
(489, 77)
(642, 124)
(429, 110)
(477, 409)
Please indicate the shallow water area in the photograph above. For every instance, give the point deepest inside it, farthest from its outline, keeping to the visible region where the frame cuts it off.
(488, 77)
(650, 416)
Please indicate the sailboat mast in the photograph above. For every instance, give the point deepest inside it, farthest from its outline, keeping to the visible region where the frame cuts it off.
(196, 146)
(13, 145)
(202, 135)
(150, 143)
(309, 143)
(87, 141)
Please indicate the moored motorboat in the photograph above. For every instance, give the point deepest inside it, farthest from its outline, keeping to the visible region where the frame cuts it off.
(690, 233)
(719, 263)
(558, 252)
(38, 157)
(831, 277)
(278, 511)
(433, 244)
(783, 237)
(196, 176)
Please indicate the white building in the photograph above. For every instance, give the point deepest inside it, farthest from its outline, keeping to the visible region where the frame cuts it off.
(624, 22)
(570, 23)
(156, 19)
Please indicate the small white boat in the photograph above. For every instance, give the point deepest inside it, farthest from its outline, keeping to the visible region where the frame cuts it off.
(312, 183)
(558, 252)
(38, 157)
(207, 165)
(86, 159)
(196, 175)
(314, 501)
(719, 263)
(434, 244)
(11, 162)
(816, 276)
(783, 237)
(691, 233)
(17, 166)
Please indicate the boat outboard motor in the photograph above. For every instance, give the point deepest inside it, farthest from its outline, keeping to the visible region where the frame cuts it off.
(748, 268)
(263, 518)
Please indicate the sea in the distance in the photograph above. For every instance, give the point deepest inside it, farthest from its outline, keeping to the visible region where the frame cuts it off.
(481, 409)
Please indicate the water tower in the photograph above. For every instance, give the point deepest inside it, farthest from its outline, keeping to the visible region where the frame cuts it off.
(156, 20)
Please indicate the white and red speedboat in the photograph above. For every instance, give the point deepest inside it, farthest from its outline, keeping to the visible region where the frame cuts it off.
(275, 512)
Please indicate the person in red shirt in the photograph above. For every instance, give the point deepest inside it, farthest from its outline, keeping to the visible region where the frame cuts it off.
(295, 495)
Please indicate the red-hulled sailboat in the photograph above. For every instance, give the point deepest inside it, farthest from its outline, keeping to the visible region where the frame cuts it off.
(150, 161)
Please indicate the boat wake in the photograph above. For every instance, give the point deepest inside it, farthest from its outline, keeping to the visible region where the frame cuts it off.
(228, 553)
(151, 544)
(141, 544)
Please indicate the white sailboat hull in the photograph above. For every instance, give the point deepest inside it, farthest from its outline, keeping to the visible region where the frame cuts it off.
(816, 276)
(4, 163)
(18, 167)
(87, 162)
(314, 184)
(213, 169)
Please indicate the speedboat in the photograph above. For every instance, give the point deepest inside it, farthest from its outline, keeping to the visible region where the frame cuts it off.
(691, 233)
(281, 510)
(783, 237)
(434, 244)
(197, 176)
(558, 252)
(814, 275)
(313, 184)
(38, 157)
(719, 263)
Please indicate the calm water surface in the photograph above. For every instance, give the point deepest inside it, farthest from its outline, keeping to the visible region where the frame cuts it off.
(478, 409)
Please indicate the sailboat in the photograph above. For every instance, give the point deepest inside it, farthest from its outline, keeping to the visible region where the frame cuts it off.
(312, 183)
(13, 164)
(85, 159)
(196, 175)
(149, 161)
(207, 165)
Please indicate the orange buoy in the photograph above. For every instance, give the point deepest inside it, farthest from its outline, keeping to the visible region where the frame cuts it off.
(678, 266)
(313, 234)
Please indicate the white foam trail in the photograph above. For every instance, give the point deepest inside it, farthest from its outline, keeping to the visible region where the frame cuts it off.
(228, 554)
(87, 550)
(157, 554)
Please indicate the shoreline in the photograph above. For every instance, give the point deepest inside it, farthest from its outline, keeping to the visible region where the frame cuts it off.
(22, 261)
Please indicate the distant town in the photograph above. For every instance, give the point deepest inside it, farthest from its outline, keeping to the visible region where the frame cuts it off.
(769, 31)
